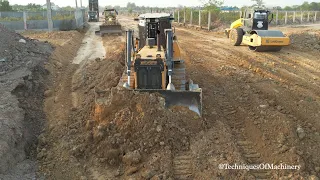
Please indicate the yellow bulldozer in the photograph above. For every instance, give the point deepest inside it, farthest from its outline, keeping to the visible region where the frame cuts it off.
(252, 29)
(111, 24)
(154, 63)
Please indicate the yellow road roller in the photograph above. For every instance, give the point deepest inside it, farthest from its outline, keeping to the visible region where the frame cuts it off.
(252, 29)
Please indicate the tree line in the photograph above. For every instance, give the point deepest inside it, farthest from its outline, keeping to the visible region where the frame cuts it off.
(32, 7)
(210, 5)
(217, 5)
(306, 6)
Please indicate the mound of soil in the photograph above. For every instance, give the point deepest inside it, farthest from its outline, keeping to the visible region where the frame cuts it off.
(56, 38)
(306, 40)
(125, 134)
(22, 79)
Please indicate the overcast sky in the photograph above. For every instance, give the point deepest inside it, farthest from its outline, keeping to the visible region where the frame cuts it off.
(164, 3)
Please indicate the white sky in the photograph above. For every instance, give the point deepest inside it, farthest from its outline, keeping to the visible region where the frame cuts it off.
(163, 3)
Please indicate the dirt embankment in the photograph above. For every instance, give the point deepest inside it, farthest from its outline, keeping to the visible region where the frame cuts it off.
(23, 80)
(305, 40)
(57, 106)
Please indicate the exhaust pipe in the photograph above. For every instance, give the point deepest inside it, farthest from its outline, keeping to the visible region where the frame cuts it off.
(128, 57)
(158, 41)
(133, 46)
(169, 54)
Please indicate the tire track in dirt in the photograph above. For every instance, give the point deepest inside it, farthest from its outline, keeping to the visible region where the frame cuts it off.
(182, 166)
(288, 57)
(286, 66)
(238, 80)
(234, 116)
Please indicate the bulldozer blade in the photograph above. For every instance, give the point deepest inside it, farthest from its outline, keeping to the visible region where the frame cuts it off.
(97, 33)
(189, 99)
(109, 29)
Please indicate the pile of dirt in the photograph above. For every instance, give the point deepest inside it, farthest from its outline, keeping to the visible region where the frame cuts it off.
(22, 79)
(17, 52)
(306, 40)
(128, 127)
(128, 134)
(57, 38)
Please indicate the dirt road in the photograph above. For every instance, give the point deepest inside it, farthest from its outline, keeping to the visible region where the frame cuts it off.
(91, 47)
(262, 97)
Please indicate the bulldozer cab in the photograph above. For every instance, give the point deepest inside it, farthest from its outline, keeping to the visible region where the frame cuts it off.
(110, 13)
(111, 24)
(150, 25)
(257, 19)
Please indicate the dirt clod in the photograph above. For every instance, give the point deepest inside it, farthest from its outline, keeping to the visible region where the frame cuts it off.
(132, 157)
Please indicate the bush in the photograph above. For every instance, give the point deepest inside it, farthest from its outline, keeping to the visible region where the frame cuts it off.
(11, 19)
(36, 17)
(63, 17)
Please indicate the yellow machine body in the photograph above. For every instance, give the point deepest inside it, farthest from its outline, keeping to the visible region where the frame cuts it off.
(256, 40)
(111, 24)
(151, 53)
(154, 64)
(236, 24)
(252, 30)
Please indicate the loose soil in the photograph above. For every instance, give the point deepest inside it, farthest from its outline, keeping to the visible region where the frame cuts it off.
(258, 108)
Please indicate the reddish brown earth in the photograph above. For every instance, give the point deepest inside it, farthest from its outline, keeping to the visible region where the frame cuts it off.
(258, 108)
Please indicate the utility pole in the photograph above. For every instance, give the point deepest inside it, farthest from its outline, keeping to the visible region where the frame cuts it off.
(49, 16)
(76, 4)
(80, 3)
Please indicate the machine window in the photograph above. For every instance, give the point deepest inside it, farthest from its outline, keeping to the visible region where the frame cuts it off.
(258, 15)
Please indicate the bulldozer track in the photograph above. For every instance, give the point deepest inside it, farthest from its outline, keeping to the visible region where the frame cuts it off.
(182, 166)
(246, 147)
(179, 76)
